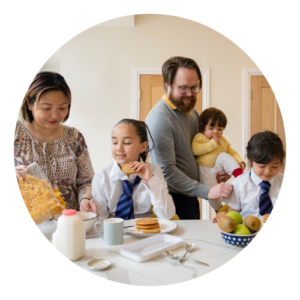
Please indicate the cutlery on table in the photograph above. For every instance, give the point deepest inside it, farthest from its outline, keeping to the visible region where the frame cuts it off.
(190, 247)
(173, 256)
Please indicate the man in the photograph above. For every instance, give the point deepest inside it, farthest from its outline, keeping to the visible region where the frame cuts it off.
(173, 123)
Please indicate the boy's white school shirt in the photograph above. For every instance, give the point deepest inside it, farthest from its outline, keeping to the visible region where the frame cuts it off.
(107, 189)
(246, 192)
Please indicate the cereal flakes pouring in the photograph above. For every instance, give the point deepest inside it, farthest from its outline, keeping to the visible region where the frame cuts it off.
(41, 200)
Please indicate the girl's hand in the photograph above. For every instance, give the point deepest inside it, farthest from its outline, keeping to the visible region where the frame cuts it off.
(87, 205)
(242, 165)
(216, 218)
(142, 170)
(18, 170)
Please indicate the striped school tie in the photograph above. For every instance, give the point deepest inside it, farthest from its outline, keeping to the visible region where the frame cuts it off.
(124, 208)
(265, 203)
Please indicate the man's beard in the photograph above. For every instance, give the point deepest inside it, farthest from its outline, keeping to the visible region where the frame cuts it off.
(180, 105)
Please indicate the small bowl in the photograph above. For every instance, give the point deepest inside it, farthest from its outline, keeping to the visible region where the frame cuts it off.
(237, 240)
(88, 218)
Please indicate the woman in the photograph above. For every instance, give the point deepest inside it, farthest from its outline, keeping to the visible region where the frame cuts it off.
(59, 150)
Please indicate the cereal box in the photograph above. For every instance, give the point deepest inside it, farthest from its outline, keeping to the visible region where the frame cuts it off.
(41, 200)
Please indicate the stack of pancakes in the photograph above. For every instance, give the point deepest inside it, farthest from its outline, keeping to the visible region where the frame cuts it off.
(265, 217)
(147, 225)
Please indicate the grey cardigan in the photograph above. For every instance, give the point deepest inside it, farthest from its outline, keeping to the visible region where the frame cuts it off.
(173, 132)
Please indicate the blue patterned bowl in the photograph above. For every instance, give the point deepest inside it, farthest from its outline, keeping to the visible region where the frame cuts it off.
(237, 240)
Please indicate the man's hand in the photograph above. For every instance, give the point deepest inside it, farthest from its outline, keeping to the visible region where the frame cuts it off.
(221, 190)
(223, 176)
(87, 205)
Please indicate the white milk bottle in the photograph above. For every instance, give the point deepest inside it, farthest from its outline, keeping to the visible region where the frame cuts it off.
(69, 237)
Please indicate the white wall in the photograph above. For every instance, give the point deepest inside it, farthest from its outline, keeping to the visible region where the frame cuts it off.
(127, 21)
(97, 65)
(54, 63)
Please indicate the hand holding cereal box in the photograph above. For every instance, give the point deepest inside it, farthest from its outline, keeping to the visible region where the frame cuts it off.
(41, 200)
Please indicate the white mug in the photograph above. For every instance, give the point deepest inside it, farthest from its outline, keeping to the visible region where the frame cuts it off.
(112, 233)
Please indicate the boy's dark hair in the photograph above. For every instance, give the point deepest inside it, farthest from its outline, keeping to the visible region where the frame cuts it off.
(213, 114)
(170, 67)
(263, 147)
(141, 131)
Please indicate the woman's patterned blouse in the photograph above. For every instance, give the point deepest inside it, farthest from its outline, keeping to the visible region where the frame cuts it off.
(67, 163)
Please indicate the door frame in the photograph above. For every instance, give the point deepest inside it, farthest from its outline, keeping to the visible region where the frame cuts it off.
(247, 74)
(136, 72)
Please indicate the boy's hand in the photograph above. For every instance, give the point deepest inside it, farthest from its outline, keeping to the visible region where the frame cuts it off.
(217, 217)
(142, 170)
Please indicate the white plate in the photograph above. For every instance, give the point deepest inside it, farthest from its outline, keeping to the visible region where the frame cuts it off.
(151, 247)
(166, 226)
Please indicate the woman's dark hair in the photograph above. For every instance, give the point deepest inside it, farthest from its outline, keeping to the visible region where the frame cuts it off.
(170, 67)
(214, 115)
(141, 129)
(263, 147)
(42, 83)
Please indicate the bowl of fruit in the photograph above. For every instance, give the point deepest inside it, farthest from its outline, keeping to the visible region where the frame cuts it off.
(236, 231)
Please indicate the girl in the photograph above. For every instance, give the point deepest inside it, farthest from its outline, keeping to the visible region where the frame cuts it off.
(213, 151)
(147, 186)
(255, 192)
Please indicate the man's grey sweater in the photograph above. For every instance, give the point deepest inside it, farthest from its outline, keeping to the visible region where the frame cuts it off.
(173, 132)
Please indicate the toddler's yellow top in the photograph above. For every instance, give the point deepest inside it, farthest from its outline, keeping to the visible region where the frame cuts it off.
(207, 150)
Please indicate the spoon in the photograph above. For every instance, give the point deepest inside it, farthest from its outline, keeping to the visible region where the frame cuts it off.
(189, 248)
(172, 255)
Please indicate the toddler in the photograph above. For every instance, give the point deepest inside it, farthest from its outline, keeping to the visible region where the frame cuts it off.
(213, 151)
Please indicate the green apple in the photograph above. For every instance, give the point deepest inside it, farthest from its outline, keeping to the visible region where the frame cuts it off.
(241, 230)
(236, 217)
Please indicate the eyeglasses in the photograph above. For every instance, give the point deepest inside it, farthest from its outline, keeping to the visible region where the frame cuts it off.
(185, 89)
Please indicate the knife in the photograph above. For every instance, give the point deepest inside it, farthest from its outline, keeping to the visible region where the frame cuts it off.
(193, 260)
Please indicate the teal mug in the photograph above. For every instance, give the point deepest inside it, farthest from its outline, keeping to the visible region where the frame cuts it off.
(112, 233)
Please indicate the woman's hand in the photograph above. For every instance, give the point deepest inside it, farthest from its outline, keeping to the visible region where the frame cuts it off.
(85, 193)
(18, 170)
(88, 205)
(216, 218)
(142, 170)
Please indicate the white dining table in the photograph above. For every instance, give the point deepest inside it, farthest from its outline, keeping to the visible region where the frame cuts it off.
(161, 270)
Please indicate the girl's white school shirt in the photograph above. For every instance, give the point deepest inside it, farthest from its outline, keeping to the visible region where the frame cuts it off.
(107, 189)
(246, 192)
